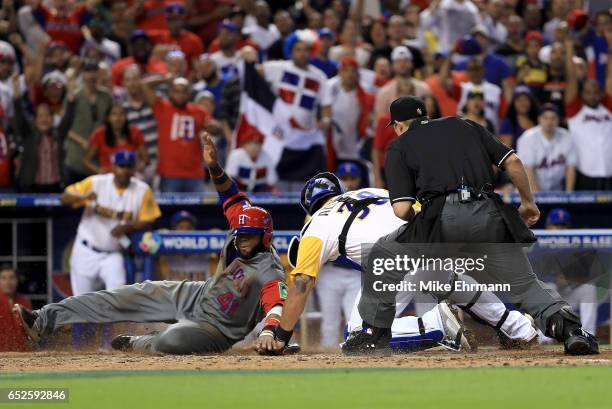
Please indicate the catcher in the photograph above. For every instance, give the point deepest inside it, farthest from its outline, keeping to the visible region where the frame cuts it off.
(342, 222)
(210, 316)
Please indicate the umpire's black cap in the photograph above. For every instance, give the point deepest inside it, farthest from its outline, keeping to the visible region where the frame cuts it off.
(405, 108)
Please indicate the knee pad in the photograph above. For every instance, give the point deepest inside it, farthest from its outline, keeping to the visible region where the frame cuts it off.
(561, 323)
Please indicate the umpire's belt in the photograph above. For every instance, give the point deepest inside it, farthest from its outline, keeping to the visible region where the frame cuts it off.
(94, 248)
(455, 197)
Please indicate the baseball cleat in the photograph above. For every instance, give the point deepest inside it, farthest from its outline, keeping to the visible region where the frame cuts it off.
(456, 338)
(580, 342)
(292, 349)
(29, 321)
(368, 341)
(123, 343)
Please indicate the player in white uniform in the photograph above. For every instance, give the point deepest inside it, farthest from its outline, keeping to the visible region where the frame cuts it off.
(116, 205)
(326, 238)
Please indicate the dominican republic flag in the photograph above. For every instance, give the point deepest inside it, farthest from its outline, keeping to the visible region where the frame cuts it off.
(297, 152)
(261, 111)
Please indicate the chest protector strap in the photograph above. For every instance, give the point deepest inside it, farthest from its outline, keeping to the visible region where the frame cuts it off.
(358, 205)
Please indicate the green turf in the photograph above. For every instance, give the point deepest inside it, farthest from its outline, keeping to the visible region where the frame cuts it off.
(559, 387)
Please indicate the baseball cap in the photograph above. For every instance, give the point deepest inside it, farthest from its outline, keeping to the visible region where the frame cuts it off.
(522, 89)
(325, 32)
(204, 94)
(7, 52)
(400, 52)
(348, 61)
(475, 92)
(405, 108)
(182, 215)
(124, 158)
(577, 19)
(55, 76)
(348, 169)
(558, 216)
(481, 29)
(176, 9)
(228, 25)
(90, 64)
(549, 107)
(534, 36)
(252, 135)
(468, 46)
(136, 34)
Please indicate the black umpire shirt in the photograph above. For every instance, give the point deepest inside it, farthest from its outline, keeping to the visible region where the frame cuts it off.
(432, 156)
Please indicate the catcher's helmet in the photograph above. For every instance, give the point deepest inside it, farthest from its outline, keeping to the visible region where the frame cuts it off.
(320, 187)
(255, 219)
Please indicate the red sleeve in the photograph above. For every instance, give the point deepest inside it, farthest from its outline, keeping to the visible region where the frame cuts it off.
(607, 101)
(573, 107)
(20, 299)
(97, 137)
(117, 71)
(379, 136)
(157, 36)
(272, 294)
(503, 106)
(137, 137)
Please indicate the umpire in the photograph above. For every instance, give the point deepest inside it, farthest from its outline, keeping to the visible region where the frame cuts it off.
(448, 165)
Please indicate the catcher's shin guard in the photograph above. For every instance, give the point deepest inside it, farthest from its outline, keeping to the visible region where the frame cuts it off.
(565, 326)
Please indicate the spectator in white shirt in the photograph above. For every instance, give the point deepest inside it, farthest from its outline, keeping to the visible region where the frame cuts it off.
(589, 119)
(451, 20)
(548, 153)
(250, 166)
(352, 108)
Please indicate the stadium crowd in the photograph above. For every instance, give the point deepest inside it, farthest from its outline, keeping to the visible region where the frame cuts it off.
(80, 80)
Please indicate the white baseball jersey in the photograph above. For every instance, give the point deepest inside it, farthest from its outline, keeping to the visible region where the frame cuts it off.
(548, 157)
(112, 207)
(492, 99)
(591, 130)
(319, 241)
(345, 117)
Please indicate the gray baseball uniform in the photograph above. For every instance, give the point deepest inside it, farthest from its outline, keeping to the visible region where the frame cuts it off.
(210, 315)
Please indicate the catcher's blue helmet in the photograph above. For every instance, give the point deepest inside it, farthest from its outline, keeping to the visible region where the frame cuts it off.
(318, 188)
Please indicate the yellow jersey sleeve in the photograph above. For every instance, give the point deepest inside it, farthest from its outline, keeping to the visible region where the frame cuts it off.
(309, 257)
(83, 187)
(149, 210)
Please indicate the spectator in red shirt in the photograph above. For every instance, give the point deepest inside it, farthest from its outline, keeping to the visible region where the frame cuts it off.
(6, 159)
(12, 335)
(205, 15)
(189, 43)
(179, 123)
(114, 136)
(63, 23)
(141, 47)
(151, 14)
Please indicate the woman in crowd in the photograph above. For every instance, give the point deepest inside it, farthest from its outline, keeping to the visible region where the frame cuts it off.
(114, 136)
(522, 115)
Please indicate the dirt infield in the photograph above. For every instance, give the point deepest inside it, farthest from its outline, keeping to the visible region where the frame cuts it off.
(238, 360)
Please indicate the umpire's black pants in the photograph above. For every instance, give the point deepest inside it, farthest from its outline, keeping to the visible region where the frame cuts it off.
(478, 224)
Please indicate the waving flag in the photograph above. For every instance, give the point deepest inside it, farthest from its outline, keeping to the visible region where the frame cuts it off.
(261, 111)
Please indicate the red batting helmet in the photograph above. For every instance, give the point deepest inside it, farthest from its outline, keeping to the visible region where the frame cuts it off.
(256, 220)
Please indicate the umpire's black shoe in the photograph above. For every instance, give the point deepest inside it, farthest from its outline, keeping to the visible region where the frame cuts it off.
(370, 341)
(29, 321)
(123, 342)
(580, 342)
